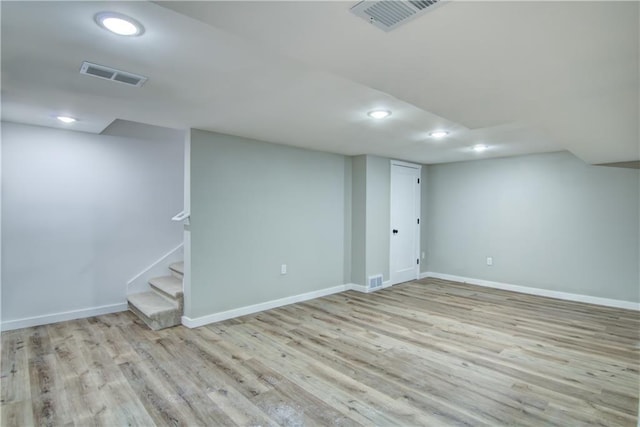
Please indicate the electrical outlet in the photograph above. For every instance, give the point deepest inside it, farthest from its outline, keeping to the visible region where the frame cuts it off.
(283, 269)
(489, 260)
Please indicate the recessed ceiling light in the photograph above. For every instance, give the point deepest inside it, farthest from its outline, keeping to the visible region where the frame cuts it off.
(119, 24)
(438, 133)
(379, 114)
(480, 148)
(66, 119)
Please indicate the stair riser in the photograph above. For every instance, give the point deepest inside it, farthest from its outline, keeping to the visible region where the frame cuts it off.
(164, 304)
(164, 321)
(178, 299)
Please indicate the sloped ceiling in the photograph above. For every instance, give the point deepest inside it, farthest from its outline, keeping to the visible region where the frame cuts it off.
(522, 77)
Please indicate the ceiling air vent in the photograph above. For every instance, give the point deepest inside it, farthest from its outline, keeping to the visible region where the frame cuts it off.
(389, 14)
(112, 74)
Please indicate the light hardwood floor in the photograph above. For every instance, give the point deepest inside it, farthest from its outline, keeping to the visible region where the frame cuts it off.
(423, 353)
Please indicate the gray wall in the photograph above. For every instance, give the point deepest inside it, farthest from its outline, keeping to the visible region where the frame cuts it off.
(424, 217)
(348, 213)
(378, 216)
(255, 206)
(549, 221)
(358, 219)
(370, 218)
(81, 215)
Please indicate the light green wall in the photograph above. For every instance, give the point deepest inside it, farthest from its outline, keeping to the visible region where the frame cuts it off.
(255, 206)
(348, 213)
(370, 218)
(549, 221)
(424, 218)
(378, 213)
(358, 219)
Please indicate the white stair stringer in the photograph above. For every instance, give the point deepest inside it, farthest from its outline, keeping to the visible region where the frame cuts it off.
(163, 306)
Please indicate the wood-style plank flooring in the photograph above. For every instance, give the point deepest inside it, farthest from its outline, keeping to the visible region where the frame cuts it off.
(422, 353)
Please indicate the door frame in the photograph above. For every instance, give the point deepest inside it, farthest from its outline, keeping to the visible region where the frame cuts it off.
(419, 220)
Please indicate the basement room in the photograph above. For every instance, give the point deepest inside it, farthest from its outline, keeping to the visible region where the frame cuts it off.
(320, 213)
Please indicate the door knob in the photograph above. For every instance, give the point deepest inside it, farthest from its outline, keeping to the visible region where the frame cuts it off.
(395, 231)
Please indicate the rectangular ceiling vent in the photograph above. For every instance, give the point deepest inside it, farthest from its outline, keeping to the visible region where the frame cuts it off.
(112, 74)
(390, 14)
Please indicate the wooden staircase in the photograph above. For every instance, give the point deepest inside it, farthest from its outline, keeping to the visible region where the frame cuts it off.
(163, 306)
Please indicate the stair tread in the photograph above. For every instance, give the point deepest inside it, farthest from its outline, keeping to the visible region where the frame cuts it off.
(178, 267)
(170, 285)
(151, 304)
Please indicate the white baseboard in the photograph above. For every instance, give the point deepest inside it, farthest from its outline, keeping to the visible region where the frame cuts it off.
(365, 289)
(242, 311)
(28, 322)
(358, 288)
(250, 309)
(160, 267)
(536, 291)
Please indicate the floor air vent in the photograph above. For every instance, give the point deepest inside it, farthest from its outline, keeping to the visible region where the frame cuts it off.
(112, 74)
(375, 281)
(389, 14)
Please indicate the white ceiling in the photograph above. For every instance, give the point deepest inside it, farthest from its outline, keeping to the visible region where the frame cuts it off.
(522, 77)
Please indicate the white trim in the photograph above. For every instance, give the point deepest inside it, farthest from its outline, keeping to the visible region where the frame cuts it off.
(250, 309)
(386, 284)
(139, 284)
(607, 302)
(182, 216)
(418, 212)
(365, 289)
(28, 322)
(424, 275)
(358, 288)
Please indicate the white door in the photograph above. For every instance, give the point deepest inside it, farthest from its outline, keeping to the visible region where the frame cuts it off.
(405, 222)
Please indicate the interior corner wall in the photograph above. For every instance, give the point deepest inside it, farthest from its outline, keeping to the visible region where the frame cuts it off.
(255, 206)
(348, 213)
(1, 222)
(371, 218)
(378, 212)
(81, 215)
(549, 221)
(424, 218)
(186, 277)
(358, 219)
